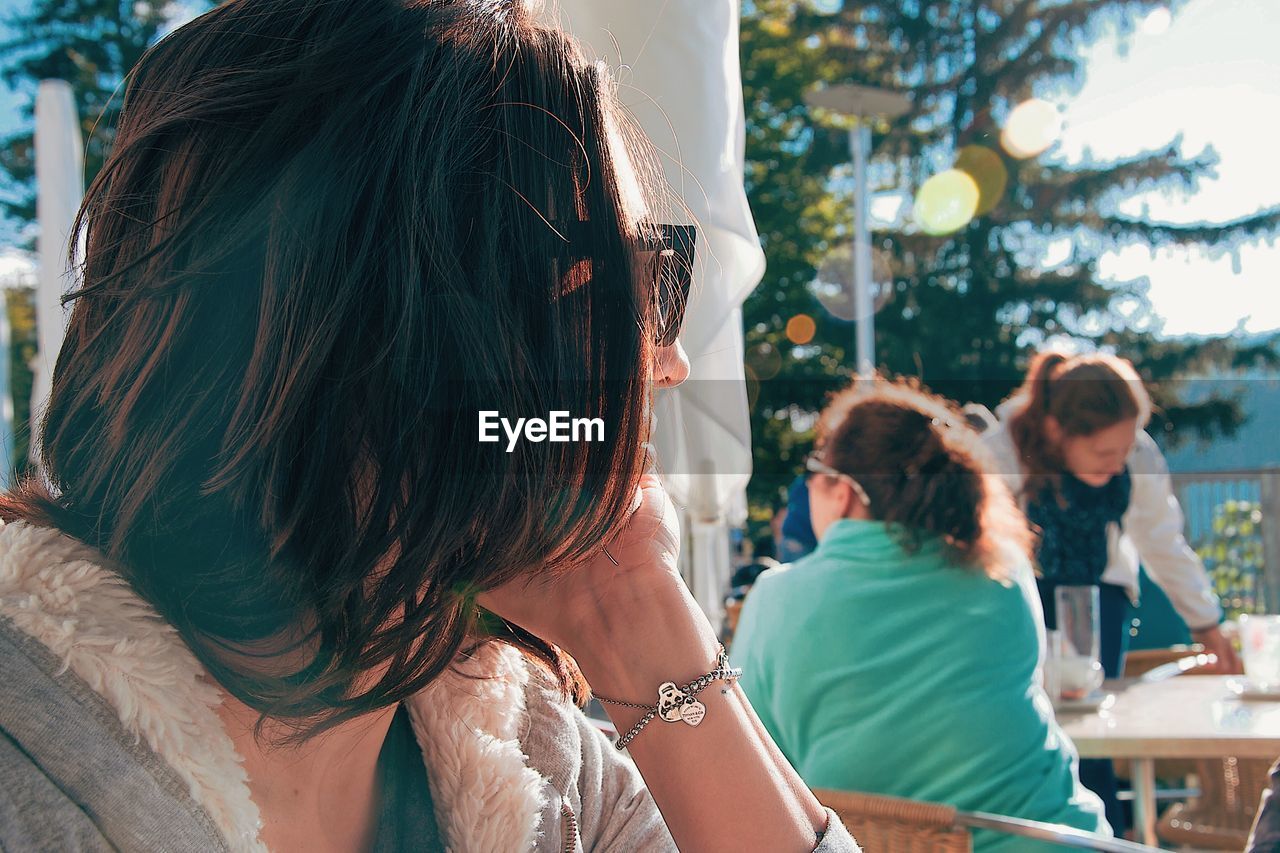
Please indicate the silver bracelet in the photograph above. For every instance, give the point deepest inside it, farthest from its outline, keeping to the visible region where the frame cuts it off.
(677, 704)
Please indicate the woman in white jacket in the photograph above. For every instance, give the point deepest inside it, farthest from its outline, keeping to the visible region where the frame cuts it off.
(1083, 417)
(1072, 447)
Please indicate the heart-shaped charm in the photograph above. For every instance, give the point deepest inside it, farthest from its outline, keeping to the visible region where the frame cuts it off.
(693, 713)
(670, 700)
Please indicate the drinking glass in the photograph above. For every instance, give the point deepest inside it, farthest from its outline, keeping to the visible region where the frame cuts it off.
(1260, 649)
(1074, 668)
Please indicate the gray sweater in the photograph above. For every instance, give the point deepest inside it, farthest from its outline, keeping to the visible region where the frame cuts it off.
(111, 740)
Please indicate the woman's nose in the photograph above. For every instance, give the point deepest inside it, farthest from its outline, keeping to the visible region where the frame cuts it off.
(671, 366)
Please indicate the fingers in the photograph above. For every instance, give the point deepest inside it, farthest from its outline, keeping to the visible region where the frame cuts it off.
(649, 512)
(650, 490)
(650, 458)
(636, 501)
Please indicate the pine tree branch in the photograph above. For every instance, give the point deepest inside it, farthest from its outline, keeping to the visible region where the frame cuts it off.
(1120, 229)
(1075, 285)
(1047, 194)
(1022, 56)
(1010, 28)
(1129, 174)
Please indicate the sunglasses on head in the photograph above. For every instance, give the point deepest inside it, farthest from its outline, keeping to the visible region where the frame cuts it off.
(664, 258)
(814, 465)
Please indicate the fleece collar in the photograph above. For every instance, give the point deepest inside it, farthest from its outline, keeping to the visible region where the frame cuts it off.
(59, 592)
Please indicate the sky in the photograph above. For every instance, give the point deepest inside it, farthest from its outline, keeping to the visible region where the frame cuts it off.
(1211, 75)
(10, 119)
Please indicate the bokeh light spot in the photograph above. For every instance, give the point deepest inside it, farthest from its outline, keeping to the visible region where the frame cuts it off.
(801, 329)
(988, 172)
(946, 202)
(1031, 128)
(833, 285)
(764, 361)
(1157, 22)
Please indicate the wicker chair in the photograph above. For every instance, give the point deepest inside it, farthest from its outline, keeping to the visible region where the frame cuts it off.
(1230, 788)
(1220, 818)
(1142, 661)
(893, 825)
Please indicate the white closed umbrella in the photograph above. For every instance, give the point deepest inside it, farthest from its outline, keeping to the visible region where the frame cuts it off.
(678, 72)
(59, 190)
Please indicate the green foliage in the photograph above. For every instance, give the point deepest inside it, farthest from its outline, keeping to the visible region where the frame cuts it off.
(961, 311)
(89, 43)
(1233, 555)
(20, 302)
(965, 310)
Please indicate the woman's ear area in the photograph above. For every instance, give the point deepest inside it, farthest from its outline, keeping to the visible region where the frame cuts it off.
(829, 501)
(855, 508)
(1053, 429)
(850, 503)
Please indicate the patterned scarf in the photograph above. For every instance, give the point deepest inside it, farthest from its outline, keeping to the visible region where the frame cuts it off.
(1073, 532)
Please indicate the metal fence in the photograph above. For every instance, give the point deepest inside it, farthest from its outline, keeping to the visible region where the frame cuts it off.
(1233, 522)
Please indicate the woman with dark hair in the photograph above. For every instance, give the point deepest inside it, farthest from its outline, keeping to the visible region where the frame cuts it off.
(272, 590)
(902, 657)
(1072, 447)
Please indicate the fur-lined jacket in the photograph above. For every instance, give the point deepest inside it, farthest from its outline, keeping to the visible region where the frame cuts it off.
(110, 738)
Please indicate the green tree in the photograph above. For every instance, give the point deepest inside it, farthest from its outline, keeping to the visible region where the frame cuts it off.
(20, 302)
(963, 310)
(89, 43)
(1233, 555)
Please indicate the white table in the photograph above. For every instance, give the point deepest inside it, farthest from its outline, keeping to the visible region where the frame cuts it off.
(1187, 717)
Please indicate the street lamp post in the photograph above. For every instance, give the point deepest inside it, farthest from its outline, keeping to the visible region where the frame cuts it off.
(864, 105)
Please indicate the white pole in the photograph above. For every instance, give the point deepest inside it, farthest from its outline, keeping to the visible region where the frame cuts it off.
(864, 307)
(8, 464)
(59, 188)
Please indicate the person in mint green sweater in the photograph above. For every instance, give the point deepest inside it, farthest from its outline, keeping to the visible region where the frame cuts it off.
(903, 656)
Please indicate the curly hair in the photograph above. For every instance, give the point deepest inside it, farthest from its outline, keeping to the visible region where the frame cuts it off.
(925, 472)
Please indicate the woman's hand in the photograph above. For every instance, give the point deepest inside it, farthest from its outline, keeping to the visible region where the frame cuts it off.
(1216, 643)
(602, 598)
(628, 620)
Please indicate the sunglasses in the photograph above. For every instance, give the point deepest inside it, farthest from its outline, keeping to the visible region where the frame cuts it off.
(815, 466)
(669, 260)
(664, 257)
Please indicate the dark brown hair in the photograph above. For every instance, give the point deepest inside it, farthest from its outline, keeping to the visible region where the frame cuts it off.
(925, 471)
(1084, 393)
(324, 240)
